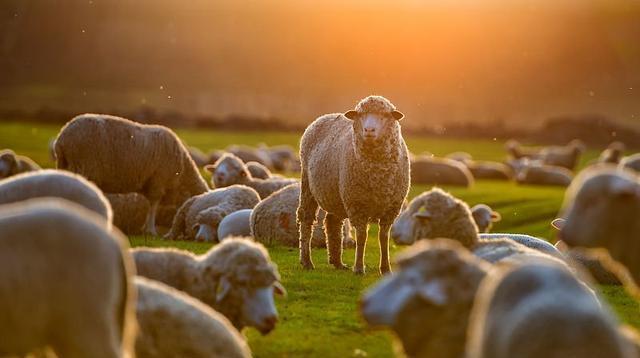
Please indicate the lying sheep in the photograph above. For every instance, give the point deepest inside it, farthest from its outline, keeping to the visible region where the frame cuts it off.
(130, 212)
(544, 175)
(539, 309)
(258, 170)
(198, 157)
(566, 156)
(516, 151)
(238, 223)
(274, 220)
(173, 324)
(198, 218)
(462, 157)
(631, 162)
(484, 217)
(58, 184)
(249, 154)
(612, 154)
(440, 171)
(602, 209)
(354, 165)
(66, 282)
(12, 164)
(489, 170)
(121, 156)
(230, 169)
(594, 265)
(235, 277)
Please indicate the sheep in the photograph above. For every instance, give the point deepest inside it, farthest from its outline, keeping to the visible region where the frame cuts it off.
(66, 282)
(540, 309)
(274, 220)
(602, 209)
(122, 156)
(198, 157)
(440, 171)
(462, 157)
(258, 170)
(55, 183)
(173, 324)
(489, 170)
(238, 223)
(612, 154)
(12, 164)
(235, 277)
(566, 156)
(230, 169)
(354, 165)
(282, 156)
(249, 154)
(484, 217)
(516, 151)
(214, 155)
(198, 218)
(594, 265)
(631, 162)
(544, 175)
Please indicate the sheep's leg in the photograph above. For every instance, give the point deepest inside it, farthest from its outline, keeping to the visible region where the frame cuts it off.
(333, 230)
(150, 225)
(361, 242)
(306, 215)
(383, 237)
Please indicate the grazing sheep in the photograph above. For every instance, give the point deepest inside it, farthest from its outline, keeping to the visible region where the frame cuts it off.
(594, 265)
(540, 309)
(66, 282)
(230, 169)
(122, 156)
(484, 217)
(249, 154)
(566, 156)
(235, 277)
(354, 165)
(544, 175)
(258, 170)
(198, 218)
(489, 170)
(602, 209)
(238, 223)
(198, 157)
(58, 184)
(612, 154)
(631, 162)
(12, 164)
(274, 220)
(173, 324)
(516, 151)
(440, 171)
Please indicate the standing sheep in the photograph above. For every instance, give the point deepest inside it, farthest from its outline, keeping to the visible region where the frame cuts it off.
(174, 324)
(354, 165)
(236, 278)
(229, 170)
(566, 156)
(12, 164)
(121, 156)
(440, 171)
(58, 184)
(198, 218)
(66, 282)
(484, 217)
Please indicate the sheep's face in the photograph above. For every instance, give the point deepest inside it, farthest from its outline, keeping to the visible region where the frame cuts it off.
(484, 217)
(371, 128)
(228, 171)
(7, 164)
(206, 226)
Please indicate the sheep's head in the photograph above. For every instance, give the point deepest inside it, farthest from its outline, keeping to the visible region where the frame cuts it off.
(484, 217)
(432, 290)
(375, 118)
(8, 162)
(228, 170)
(246, 280)
(206, 225)
(577, 146)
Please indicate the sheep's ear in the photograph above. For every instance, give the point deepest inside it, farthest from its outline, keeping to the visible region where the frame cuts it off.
(422, 215)
(10, 159)
(558, 223)
(210, 168)
(279, 289)
(397, 115)
(351, 114)
(434, 292)
(495, 216)
(224, 286)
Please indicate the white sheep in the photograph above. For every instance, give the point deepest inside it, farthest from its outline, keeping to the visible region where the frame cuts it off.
(354, 165)
(198, 218)
(631, 162)
(174, 324)
(541, 309)
(535, 174)
(12, 164)
(484, 217)
(238, 223)
(236, 278)
(58, 184)
(122, 156)
(66, 282)
(566, 156)
(440, 171)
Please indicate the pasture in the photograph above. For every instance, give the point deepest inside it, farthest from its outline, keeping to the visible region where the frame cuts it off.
(319, 318)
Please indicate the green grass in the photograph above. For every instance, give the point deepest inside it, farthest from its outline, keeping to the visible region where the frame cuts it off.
(319, 318)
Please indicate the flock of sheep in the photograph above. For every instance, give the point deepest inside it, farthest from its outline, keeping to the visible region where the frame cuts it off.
(72, 286)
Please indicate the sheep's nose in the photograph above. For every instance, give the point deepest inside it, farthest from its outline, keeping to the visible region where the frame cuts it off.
(369, 130)
(268, 324)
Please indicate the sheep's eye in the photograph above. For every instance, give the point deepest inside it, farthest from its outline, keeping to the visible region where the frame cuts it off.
(243, 174)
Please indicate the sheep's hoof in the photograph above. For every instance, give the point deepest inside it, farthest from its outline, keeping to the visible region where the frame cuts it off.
(340, 266)
(358, 270)
(385, 270)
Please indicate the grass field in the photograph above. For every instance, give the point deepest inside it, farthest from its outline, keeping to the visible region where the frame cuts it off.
(319, 318)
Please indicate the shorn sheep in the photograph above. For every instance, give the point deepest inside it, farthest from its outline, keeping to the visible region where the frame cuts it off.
(602, 209)
(12, 164)
(230, 169)
(540, 309)
(57, 184)
(198, 218)
(238, 223)
(122, 156)
(235, 277)
(174, 324)
(484, 217)
(354, 165)
(440, 171)
(66, 282)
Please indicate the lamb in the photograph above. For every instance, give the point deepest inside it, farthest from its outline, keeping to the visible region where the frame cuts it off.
(173, 324)
(631, 162)
(544, 175)
(198, 157)
(258, 170)
(58, 184)
(354, 165)
(12, 164)
(440, 171)
(230, 169)
(237, 223)
(235, 277)
(612, 154)
(602, 209)
(66, 282)
(563, 156)
(540, 309)
(484, 217)
(274, 220)
(121, 156)
(198, 218)
(595, 265)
